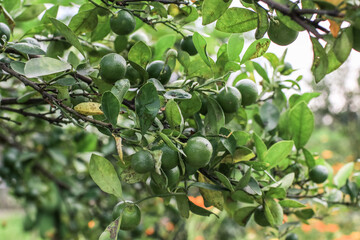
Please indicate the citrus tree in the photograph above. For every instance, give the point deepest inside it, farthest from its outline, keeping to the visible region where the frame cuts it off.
(107, 105)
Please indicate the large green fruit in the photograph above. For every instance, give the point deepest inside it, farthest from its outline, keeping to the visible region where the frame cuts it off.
(248, 90)
(319, 174)
(280, 34)
(229, 99)
(142, 162)
(160, 71)
(112, 67)
(130, 215)
(122, 23)
(188, 46)
(4, 32)
(198, 152)
(169, 157)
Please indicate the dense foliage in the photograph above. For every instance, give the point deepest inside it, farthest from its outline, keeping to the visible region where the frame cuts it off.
(112, 104)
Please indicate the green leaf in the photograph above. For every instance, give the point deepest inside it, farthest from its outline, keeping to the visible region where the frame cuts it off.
(199, 210)
(306, 97)
(190, 106)
(173, 114)
(102, 29)
(289, 203)
(270, 115)
(30, 12)
(18, 67)
(254, 186)
(305, 213)
(242, 215)
(234, 47)
(104, 175)
(224, 180)
(242, 196)
(120, 89)
(242, 154)
(241, 137)
(200, 45)
(27, 48)
(147, 105)
(343, 44)
(262, 21)
(164, 43)
(182, 204)
(320, 63)
(184, 59)
(140, 53)
(244, 180)
(208, 186)
(43, 66)
(261, 71)
(276, 192)
(213, 9)
(260, 147)
(256, 49)
(230, 142)
(301, 122)
(51, 12)
(273, 212)
(309, 158)
(287, 21)
(110, 106)
(215, 118)
(343, 174)
(68, 34)
(84, 21)
(237, 20)
(278, 152)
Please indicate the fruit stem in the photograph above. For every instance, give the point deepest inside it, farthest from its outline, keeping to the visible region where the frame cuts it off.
(161, 196)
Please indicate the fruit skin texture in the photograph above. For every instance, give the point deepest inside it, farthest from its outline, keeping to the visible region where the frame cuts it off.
(259, 217)
(173, 176)
(4, 31)
(169, 158)
(229, 99)
(112, 67)
(122, 23)
(160, 71)
(198, 151)
(131, 215)
(248, 90)
(142, 162)
(318, 174)
(280, 34)
(291, 236)
(188, 46)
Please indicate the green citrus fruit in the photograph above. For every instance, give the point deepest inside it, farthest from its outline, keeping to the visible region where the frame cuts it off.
(198, 152)
(173, 10)
(133, 75)
(173, 176)
(291, 236)
(142, 162)
(318, 174)
(280, 34)
(130, 215)
(4, 32)
(169, 158)
(356, 39)
(122, 23)
(120, 43)
(160, 71)
(260, 218)
(112, 67)
(229, 99)
(188, 46)
(248, 90)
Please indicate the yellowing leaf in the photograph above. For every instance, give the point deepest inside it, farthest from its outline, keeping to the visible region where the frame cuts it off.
(88, 108)
(212, 197)
(118, 142)
(241, 154)
(334, 27)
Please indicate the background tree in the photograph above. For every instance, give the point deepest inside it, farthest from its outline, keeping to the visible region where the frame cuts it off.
(128, 101)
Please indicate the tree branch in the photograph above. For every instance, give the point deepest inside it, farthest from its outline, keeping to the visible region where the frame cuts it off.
(10, 101)
(47, 96)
